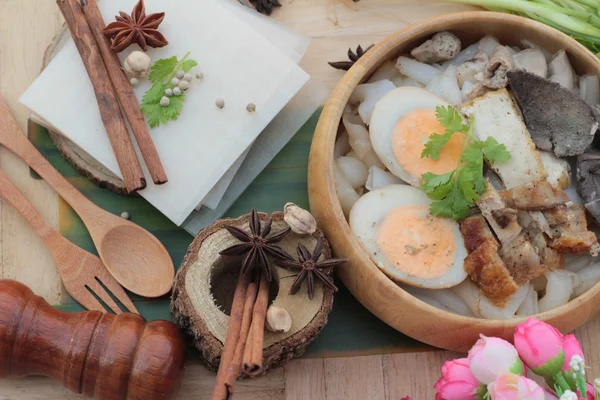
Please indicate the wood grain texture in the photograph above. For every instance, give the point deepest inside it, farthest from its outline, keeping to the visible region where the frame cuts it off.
(136, 258)
(334, 27)
(124, 92)
(101, 355)
(341, 373)
(361, 276)
(110, 111)
(80, 270)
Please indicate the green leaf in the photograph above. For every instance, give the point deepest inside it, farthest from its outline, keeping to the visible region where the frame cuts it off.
(161, 72)
(435, 144)
(162, 68)
(466, 186)
(437, 186)
(450, 119)
(454, 206)
(494, 152)
(188, 64)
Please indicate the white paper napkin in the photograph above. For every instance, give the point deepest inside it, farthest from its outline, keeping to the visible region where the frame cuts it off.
(239, 66)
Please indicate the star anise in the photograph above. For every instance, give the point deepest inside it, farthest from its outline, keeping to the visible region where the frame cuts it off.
(310, 268)
(136, 28)
(352, 56)
(265, 6)
(256, 245)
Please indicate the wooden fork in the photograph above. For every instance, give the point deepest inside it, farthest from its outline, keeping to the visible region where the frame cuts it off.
(82, 272)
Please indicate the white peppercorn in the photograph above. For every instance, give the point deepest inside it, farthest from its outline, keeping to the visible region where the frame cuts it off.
(176, 91)
(125, 215)
(174, 81)
(220, 103)
(199, 75)
(188, 77)
(169, 92)
(134, 81)
(180, 74)
(251, 107)
(184, 85)
(164, 101)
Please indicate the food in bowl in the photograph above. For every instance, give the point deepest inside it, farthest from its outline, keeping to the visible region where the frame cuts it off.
(455, 171)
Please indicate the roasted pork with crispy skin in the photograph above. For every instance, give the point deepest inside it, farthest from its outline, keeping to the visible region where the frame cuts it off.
(536, 196)
(483, 264)
(522, 260)
(501, 218)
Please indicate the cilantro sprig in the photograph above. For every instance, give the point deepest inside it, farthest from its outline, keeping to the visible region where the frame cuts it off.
(162, 72)
(455, 192)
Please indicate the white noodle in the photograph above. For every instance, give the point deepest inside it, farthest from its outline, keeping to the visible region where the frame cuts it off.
(420, 72)
(360, 141)
(558, 290)
(588, 278)
(345, 191)
(368, 94)
(577, 262)
(386, 71)
(355, 171)
(469, 293)
(488, 44)
(342, 145)
(529, 306)
(589, 88)
(490, 311)
(445, 86)
(463, 56)
(378, 178)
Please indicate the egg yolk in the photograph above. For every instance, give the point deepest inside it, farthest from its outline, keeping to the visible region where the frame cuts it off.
(417, 242)
(409, 136)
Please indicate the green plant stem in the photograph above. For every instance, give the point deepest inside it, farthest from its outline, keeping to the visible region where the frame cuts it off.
(177, 68)
(558, 15)
(559, 380)
(576, 35)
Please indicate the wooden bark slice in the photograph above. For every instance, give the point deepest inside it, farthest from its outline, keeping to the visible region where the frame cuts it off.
(85, 164)
(204, 286)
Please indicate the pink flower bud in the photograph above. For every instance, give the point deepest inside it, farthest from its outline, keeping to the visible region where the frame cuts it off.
(457, 381)
(572, 347)
(540, 347)
(492, 357)
(514, 387)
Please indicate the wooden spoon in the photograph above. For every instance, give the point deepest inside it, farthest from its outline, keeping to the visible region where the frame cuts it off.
(136, 258)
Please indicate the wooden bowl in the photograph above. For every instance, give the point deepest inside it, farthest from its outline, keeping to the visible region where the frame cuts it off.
(367, 283)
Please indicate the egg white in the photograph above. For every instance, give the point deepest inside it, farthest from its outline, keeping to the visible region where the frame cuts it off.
(386, 113)
(369, 212)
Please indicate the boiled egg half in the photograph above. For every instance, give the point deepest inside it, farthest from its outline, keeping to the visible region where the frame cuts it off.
(401, 124)
(405, 241)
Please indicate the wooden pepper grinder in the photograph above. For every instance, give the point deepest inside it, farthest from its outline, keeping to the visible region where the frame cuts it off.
(109, 357)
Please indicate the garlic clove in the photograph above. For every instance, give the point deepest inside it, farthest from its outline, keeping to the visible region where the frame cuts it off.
(137, 64)
(299, 220)
(278, 320)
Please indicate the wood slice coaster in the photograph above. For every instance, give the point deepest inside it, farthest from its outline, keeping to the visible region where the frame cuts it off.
(81, 161)
(204, 287)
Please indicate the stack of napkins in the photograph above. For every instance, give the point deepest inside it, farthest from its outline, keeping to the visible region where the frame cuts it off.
(244, 57)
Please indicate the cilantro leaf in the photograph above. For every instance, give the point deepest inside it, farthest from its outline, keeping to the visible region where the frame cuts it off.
(450, 119)
(455, 192)
(162, 68)
(435, 144)
(454, 206)
(437, 186)
(188, 64)
(161, 74)
(494, 152)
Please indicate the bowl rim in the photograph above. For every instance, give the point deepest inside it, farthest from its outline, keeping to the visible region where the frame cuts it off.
(330, 121)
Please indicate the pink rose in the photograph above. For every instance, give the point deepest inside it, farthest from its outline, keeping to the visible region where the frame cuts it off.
(572, 347)
(548, 395)
(457, 381)
(492, 357)
(540, 347)
(515, 387)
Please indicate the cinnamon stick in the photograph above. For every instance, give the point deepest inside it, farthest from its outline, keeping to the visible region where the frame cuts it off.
(253, 358)
(108, 105)
(221, 390)
(233, 372)
(125, 94)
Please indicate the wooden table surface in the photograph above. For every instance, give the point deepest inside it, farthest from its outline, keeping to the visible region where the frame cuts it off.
(26, 29)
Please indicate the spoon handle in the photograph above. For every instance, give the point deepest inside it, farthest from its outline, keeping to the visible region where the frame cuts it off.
(10, 193)
(13, 138)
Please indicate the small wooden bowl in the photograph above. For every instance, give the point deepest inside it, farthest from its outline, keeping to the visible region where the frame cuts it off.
(367, 283)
